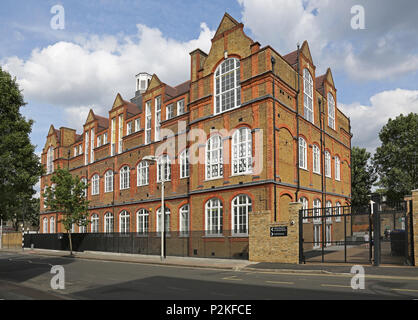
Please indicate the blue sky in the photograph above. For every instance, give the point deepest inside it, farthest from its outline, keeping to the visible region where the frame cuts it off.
(105, 43)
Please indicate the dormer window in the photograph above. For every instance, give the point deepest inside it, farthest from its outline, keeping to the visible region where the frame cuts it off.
(227, 86)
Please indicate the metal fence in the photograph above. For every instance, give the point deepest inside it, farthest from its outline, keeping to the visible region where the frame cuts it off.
(192, 244)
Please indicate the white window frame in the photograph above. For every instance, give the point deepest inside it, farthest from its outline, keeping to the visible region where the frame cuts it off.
(105, 138)
(108, 222)
(75, 151)
(84, 180)
(184, 213)
(242, 151)
(214, 158)
(227, 95)
(99, 141)
(108, 181)
(303, 157)
(166, 220)
(113, 137)
(327, 161)
(124, 177)
(337, 211)
(45, 225)
(337, 168)
(305, 207)
(124, 222)
(148, 122)
(331, 111)
(213, 217)
(184, 164)
(157, 106)
(120, 136)
(169, 111)
(142, 174)
(180, 107)
(129, 128)
(95, 185)
(163, 168)
(328, 211)
(316, 210)
(50, 160)
(316, 159)
(142, 221)
(92, 145)
(308, 96)
(52, 225)
(137, 124)
(241, 208)
(94, 228)
(80, 149)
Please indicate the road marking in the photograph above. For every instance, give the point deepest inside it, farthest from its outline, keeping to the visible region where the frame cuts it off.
(409, 290)
(280, 282)
(232, 278)
(335, 285)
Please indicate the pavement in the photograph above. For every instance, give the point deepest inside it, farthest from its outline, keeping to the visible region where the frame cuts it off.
(382, 271)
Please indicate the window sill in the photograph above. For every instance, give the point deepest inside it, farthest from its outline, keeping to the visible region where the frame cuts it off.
(239, 235)
(215, 236)
(212, 179)
(241, 174)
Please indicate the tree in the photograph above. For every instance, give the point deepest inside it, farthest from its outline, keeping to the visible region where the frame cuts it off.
(67, 196)
(396, 159)
(362, 177)
(25, 211)
(20, 167)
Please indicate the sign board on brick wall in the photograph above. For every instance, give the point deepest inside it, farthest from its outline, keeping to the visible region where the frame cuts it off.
(280, 231)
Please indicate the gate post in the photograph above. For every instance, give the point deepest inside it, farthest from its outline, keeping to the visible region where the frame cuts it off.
(376, 234)
(414, 225)
(301, 255)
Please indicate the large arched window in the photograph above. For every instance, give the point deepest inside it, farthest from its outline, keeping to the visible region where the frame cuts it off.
(45, 225)
(142, 173)
(308, 95)
(302, 154)
(124, 178)
(305, 207)
(327, 164)
(241, 207)
(184, 164)
(331, 111)
(49, 160)
(227, 86)
(124, 222)
(338, 211)
(163, 168)
(184, 220)
(108, 222)
(337, 168)
(214, 217)
(95, 223)
(214, 158)
(52, 225)
(242, 151)
(95, 184)
(166, 220)
(316, 159)
(109, 181)
(142, 221)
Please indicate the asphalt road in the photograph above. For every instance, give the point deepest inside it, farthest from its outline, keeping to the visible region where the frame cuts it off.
(25, 276)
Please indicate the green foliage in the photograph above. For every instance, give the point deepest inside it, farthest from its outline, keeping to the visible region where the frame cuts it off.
(20, 167)
(396, 159)
(362, 177)
(67, 196)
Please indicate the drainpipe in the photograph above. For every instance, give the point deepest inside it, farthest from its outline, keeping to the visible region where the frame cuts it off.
(297, 130)
(273, 62)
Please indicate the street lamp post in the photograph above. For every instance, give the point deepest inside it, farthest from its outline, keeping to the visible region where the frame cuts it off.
(162, 220)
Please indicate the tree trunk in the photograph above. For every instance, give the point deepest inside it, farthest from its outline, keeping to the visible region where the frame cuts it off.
(71, 243)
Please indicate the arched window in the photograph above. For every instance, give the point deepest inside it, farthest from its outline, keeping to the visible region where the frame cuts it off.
(337, 168)
(214, 158)
(166, 220)
(124, 178)
(227, 86)
(95, 223)
(327, 164)
(241, 207)
(316, 159)
(164, 168)
(305, 207)
(45, 225)
(214, 217)
(142, 173)
(142, 221)
(108, 222)
(242, 151)
(338, 211)
(124, 222)
(328, 212)
(331, 111)
(83, 228)
(52, 225)
(95, 184)
(184, 164)
(109, 181)
(49, 160)
(184, 220)
(302, 154)
(317, 210)
(308, 96)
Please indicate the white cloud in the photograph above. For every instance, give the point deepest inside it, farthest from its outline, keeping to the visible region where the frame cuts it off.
(367, 120)
(89, 71)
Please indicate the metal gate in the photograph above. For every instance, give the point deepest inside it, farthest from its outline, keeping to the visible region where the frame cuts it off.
(370, 235)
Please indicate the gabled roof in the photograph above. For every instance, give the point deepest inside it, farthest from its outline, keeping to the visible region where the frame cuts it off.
(291, 58)
(227, 23)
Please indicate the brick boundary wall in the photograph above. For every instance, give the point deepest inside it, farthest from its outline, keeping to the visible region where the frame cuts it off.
(264, 248)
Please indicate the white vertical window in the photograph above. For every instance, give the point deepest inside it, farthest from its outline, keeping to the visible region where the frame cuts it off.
(109, 181)
(242, 147)
(52, 225)
(124, 178)
(305, 207)
(331, 111)
(86, 149)
(214, 217)
(82, 228)
(95, 185)
(338, 212)
(214, 158)
(163, 168)
(142, 221)
(105, 138)
(95, 223)
(45, 198)
(49, 160)
(227, 86)
(148, 121)
(99, 141)
(166, 220)
(180, 107)
(308, 96)
(142, 174)
(169, 111)
(241, 207)
(184, 220)
(80, 149)
(137, 125)
(113, 137)
(92, 146)
(129, 128)
(327, 164)
(75, 152)
(316, 159)
(45, 225)
(337, 168)
(157, 118)
(328, 211)
(84, 180)
(108, 223)
(124, 222)
(317, 210)
(302, 154)
(184, 164)
(120, 142)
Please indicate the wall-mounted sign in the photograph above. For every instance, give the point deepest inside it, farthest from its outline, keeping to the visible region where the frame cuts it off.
(280, 231)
